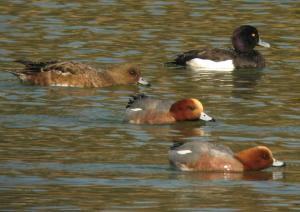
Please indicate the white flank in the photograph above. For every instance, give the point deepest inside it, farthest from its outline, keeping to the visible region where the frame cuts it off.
(136, 109)
(183, 152)
(65, 73)
(227, 167)
(198, 64)
(183, 167)
(62, 85)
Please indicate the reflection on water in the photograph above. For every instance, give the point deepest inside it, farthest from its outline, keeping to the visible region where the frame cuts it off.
(244, 83)
(251, 176)
(61, 145)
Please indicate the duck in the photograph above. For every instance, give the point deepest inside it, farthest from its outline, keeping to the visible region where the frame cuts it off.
(207, 156)
(142, 109)
(76, 74)
(242, 56)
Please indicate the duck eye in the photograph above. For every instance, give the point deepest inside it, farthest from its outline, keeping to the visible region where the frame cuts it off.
(265, 156)
(191, 108)
(253, 34)
(132, 72)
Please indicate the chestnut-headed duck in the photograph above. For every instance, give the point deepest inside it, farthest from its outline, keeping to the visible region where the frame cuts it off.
(75, 74)
(205, 156)
(243, 55)
(142, 109)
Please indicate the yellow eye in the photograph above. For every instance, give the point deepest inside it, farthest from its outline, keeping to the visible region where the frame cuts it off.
(253, 34)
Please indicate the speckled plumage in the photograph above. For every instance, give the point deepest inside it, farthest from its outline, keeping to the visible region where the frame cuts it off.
(75, 74)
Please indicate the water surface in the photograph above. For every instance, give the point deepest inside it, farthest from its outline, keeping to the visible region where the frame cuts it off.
(69, 149)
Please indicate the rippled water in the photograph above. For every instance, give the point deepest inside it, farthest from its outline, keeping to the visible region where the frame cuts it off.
(68, 148)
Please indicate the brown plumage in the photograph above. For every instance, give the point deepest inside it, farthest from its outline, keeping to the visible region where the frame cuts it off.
(205, 156)
(75, 74)
(142, 109)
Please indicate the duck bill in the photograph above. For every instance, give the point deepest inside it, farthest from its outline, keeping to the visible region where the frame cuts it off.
(263, 43)
(205, 117)
(278, 163)
(141, 81)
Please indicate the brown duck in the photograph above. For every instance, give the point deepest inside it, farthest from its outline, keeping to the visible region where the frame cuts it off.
(75, 74)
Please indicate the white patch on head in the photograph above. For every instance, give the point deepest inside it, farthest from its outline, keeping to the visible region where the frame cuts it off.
(198, 64)
(136, 109)
(184, 152)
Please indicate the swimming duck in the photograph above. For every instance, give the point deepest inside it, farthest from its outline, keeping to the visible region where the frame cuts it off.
(243, 55)
(142, 109)
(75, 74)
(205, 156)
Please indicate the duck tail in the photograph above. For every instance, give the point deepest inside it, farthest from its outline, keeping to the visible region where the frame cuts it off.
(170, 64)
(35, 65)
(135, 98)
(16, 72)
(176, 144)
(181, 59)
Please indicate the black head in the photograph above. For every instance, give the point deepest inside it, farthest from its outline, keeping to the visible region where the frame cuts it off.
(245, 38)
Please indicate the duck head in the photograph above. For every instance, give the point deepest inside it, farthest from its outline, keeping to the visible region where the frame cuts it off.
(128, 73)
(245, 38)
(257, 158)
(189, 110)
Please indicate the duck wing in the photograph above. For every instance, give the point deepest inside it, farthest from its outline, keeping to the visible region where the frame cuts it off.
(190, 152)
(35, 66)
(213, 54)
(68, 67)
(144, 102)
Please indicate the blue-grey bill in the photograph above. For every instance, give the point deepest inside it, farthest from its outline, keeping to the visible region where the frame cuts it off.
(205, 117)
(278, 163)
(263, 43)
(141, 81)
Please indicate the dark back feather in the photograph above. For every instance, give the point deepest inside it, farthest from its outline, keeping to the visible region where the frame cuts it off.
(35, 66)
(135, 98)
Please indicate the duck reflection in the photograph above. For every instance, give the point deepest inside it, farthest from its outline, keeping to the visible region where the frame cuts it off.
(244, 82)
(187, 130)
(116, 91)
(61, 92)
(180, 132)
(240, 82)
(250, 176)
